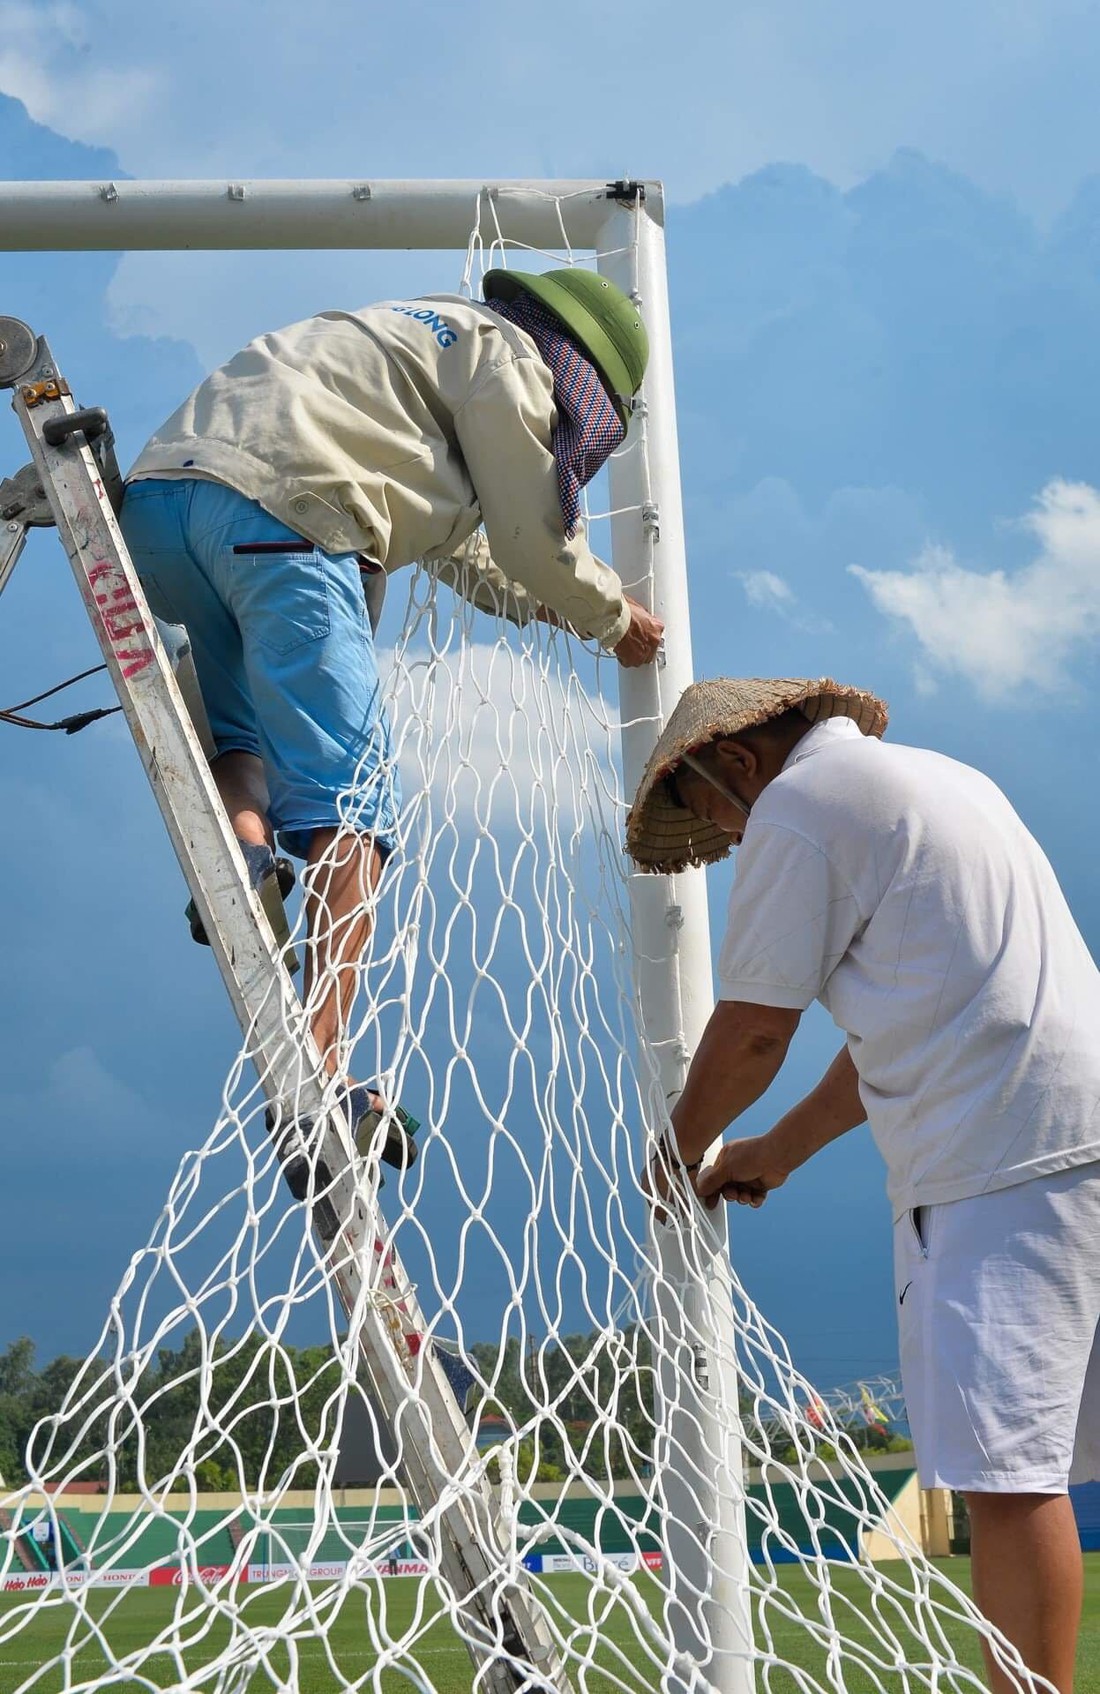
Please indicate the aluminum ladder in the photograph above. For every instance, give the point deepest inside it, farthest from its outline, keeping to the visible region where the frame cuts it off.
(73, 482)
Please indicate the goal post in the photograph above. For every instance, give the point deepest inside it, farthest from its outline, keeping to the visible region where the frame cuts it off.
(702, 1468)
(538, 1006)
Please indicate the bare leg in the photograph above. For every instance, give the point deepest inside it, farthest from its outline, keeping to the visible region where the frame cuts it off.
(337, 897)
(243, 789)
(1028, 1580)
(338, 909)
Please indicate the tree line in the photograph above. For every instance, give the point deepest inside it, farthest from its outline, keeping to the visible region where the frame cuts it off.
(252, 1413)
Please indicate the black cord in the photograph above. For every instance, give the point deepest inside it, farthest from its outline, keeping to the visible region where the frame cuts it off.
(78, 720)
(36, 699)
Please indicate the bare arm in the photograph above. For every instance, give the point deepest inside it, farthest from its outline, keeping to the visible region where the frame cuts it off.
(739, 1057)
(748, 1170)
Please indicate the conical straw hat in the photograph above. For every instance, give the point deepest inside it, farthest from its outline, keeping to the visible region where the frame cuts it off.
(662, 836)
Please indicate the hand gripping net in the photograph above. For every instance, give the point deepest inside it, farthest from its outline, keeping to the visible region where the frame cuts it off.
(497, 1001)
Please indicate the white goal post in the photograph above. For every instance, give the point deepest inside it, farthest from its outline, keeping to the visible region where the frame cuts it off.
(710, 1353)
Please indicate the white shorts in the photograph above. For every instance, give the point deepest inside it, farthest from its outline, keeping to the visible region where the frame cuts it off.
(998, 1307)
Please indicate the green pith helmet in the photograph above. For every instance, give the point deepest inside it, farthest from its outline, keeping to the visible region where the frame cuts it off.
(599, 316)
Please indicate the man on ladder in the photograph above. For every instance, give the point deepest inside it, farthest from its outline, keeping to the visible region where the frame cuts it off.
(267, 512)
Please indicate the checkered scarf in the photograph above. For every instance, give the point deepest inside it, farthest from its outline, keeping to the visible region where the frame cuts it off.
(588, 429)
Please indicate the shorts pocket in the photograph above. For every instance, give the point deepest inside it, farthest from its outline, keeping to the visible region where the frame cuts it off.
(920, 1221)
(256, 549)
(287, 597)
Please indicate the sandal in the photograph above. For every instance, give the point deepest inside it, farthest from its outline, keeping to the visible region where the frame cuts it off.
(398, 1149)
(261, 863)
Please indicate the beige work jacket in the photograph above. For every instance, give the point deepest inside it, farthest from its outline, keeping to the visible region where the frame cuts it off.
(395, 432)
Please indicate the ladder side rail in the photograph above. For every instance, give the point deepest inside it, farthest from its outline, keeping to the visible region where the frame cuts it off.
(22, 502)
(13, 539)
(446, 1479)
(445, 1473)
(441, 1447)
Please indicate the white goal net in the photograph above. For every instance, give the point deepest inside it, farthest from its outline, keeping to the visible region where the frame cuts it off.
(256, 1526)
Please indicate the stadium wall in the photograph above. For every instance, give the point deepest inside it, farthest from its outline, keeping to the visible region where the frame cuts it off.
(628, 1536)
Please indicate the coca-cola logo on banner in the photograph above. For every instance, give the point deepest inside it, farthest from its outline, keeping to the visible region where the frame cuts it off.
(172, 1576)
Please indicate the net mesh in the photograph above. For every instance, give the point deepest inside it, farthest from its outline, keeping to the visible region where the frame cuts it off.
(222, 1408)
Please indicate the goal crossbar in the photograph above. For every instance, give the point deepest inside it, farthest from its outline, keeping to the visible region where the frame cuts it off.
(109, 215)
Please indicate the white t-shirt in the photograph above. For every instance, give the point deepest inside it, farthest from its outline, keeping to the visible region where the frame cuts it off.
(900, 889)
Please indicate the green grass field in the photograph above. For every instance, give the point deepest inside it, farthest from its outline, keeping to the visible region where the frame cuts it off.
(346, 1656)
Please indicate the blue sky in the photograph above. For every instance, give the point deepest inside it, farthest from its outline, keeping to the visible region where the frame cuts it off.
(884, 248)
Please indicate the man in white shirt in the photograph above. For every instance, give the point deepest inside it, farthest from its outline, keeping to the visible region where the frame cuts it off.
(267, 512)
(900, 889)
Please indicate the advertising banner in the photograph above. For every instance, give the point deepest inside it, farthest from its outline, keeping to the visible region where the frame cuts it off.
(171, 1576)
(582, 1562)
(27, 1581)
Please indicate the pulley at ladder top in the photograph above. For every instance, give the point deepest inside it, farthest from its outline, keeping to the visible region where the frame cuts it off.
(18, 350)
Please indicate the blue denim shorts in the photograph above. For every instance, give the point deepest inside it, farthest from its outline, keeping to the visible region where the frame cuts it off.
(283, 649)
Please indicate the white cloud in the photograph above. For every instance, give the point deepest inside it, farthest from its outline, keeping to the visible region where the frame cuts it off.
(1007, 631)
(771, 593)
(46, 61)
(764, 588)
